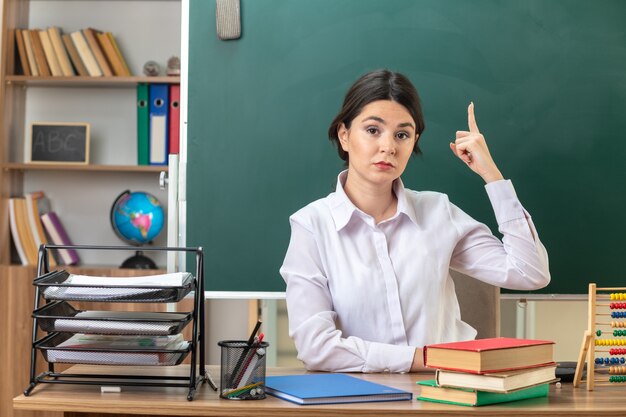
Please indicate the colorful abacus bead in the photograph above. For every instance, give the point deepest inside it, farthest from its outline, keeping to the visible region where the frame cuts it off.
(599, 332)
(618, 324)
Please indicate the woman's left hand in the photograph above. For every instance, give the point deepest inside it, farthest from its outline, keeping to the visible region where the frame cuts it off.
(472, 149)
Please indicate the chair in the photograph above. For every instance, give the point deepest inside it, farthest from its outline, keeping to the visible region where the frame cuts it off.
(479, 303)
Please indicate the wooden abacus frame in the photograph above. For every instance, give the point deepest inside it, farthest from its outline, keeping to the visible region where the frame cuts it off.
(588, 348)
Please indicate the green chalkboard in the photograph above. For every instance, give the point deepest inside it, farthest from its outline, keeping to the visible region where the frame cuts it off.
(548, 78)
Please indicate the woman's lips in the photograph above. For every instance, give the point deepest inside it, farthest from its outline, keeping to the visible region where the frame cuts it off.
(383, 165)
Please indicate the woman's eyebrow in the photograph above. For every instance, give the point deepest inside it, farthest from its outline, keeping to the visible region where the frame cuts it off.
(381, 120)
(375, 118)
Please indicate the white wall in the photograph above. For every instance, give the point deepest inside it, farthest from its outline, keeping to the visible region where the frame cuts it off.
(145, 30)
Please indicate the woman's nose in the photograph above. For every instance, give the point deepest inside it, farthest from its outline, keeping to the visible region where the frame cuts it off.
(388, 144)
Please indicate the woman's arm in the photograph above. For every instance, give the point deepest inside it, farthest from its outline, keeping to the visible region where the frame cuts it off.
(312, 320)
(520, 261)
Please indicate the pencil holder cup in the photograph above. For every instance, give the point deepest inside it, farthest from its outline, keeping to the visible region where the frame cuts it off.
(242, 372)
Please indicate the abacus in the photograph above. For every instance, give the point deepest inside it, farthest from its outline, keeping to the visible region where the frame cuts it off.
(603, 348)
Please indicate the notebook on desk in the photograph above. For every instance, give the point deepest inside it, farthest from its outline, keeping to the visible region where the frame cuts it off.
(330, 389)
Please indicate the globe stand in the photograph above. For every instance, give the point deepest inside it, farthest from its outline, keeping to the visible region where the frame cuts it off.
(138, 261)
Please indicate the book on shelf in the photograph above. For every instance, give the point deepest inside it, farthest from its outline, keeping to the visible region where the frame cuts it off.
(30, 52)
(489, 355)
(58, 236)
(329, 388)
(429, 391)
(21, 51)
(501, 382)
(15, 233)
(92, 41)
(34, 220)
(21, 232)
(40, 55)
(60, 51)
(118, 51)
(85, 53)
(75, 58)
(51, 57)
(114, 60)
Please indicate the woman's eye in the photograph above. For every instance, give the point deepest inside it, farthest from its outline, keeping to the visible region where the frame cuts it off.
(402, 135)
(372, 130)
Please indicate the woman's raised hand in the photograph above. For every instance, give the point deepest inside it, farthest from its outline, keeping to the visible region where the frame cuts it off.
(471, 148)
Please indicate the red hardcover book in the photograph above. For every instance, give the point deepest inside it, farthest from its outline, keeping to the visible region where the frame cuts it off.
(489, 355)
(174, 115)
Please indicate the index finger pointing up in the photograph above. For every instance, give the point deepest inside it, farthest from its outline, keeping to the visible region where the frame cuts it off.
(471, 120)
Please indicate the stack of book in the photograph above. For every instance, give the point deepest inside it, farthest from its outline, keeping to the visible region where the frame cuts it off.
(32, 223)
(87, 52)
(488, 371)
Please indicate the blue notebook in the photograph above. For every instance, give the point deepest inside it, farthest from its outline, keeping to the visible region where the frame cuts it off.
(330, 389)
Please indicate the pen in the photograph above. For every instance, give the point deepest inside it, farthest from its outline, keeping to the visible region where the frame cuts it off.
(244, 353)
(251, 367)
(250, 362)
(256, 329)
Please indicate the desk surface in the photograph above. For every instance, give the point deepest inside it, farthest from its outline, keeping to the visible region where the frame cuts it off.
(566, 401)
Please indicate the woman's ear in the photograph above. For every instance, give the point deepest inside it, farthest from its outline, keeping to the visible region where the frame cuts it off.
(342, 134)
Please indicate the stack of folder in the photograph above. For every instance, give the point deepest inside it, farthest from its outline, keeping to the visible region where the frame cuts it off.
(488, 371)
(158, 123)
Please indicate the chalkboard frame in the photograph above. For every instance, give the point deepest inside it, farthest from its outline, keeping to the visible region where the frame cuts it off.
(85, 139)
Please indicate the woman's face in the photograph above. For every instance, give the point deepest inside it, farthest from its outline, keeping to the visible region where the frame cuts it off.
(379, 142)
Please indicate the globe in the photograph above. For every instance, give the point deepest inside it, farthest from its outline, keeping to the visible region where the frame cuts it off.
(137, 217)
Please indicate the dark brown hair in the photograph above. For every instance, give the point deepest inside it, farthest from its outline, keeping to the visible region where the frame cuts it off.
(374, 86)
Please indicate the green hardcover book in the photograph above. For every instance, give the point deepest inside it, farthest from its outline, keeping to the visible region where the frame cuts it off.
(143, 123)
(473, 398)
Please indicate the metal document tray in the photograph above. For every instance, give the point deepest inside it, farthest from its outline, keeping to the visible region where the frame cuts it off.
(84, 354)
(53, 286)
(60, 316)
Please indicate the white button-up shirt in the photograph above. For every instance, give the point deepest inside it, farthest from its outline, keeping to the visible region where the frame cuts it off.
(362, 296)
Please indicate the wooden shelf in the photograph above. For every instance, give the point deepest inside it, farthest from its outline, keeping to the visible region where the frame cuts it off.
(82, 82)
(14, 166)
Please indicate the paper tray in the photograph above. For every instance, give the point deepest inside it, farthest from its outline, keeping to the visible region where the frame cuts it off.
(60, 316)
(57, 286)
(52, 352)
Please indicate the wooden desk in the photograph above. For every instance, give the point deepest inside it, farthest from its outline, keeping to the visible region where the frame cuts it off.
(77, 400)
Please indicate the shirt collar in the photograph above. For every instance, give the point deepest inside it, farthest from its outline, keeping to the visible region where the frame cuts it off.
(342, 207)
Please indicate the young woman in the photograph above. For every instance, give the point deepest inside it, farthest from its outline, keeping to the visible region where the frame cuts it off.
(368, 267)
